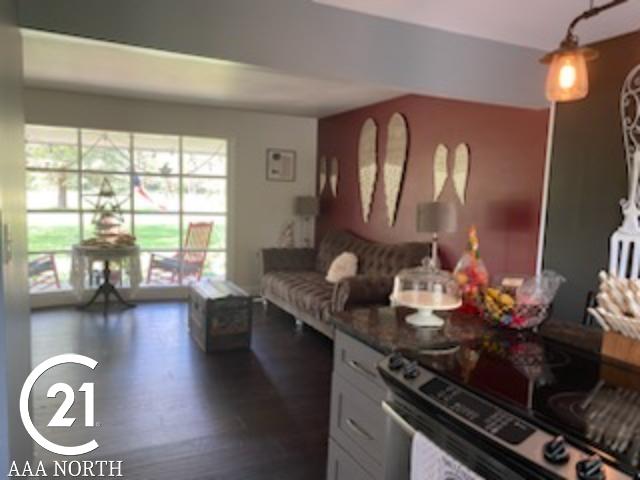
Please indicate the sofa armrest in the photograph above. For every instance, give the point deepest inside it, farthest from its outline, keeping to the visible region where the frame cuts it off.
(288, 259)
(361, 290)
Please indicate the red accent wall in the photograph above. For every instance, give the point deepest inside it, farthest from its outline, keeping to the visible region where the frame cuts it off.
(505, 184)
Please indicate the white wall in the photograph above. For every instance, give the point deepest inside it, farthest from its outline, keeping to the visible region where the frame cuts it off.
(258, 208)
(15, 342)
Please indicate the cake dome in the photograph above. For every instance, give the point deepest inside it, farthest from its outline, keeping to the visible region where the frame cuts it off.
(426, 289)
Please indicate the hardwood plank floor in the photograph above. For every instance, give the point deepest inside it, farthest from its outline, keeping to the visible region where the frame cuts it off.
(169, 411)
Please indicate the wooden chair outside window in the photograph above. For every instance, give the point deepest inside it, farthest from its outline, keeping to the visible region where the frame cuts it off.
(43, 273)
(189, 263)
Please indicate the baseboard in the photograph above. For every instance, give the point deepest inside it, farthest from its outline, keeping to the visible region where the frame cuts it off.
(68, 298)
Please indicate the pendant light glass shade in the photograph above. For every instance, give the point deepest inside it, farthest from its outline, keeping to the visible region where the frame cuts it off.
(568, 78)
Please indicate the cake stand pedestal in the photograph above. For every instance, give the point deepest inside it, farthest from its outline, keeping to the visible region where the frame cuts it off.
(426, 303)
(424, 317)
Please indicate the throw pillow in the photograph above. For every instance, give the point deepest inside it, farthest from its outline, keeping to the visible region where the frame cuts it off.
(344, 265)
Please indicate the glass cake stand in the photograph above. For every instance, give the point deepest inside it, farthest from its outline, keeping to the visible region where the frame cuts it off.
(426, 289)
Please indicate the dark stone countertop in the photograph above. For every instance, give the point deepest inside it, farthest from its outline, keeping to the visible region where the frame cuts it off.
(385, 330)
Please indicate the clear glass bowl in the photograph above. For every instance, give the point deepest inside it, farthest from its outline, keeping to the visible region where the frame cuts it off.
(426, 289)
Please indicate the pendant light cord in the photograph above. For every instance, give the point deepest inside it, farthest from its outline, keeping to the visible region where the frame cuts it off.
(591, 12)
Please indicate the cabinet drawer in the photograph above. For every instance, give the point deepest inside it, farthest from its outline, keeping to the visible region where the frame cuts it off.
(358, 424)
(342, 467)
(357, 363)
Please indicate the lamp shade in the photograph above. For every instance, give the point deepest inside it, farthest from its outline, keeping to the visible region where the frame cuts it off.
(307, 206)
(436, 217)
(568, 78)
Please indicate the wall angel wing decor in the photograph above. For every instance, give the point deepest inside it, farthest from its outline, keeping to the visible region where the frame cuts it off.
(440, 170)
(394, 163)
(333, 177)
(367, 165)
(322, 168)
(461, 171)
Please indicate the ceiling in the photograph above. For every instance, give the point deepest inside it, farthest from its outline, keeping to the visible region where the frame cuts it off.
(81, 65)
(532, 23)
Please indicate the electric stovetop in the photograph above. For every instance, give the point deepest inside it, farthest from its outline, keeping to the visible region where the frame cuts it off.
(572, 392)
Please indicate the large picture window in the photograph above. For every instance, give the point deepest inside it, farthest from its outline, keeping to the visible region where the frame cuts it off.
(172, 189)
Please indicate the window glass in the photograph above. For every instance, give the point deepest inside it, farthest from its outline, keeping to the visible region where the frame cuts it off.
(49, 272)
(52, 231)
(158, 231)
(204, 195)
(55, 190)
(51, 147)
(169, 191)
(94, 183)
(215, 266)
(204, 156)
(106, 151)
(156, 194)
(218, 229)
(156, 154)
(159, 268)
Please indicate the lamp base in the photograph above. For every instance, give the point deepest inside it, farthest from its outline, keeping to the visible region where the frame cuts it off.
(425, 318)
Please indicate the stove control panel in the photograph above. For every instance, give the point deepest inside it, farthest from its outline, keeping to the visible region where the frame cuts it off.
(550, 453)
(482, 414)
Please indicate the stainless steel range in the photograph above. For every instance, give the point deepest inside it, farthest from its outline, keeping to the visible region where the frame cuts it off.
(515, 406)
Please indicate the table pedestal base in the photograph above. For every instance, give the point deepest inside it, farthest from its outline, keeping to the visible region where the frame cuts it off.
(107, 289)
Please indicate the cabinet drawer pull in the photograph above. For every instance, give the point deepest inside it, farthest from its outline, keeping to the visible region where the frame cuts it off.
(358, 429)
(359, 368)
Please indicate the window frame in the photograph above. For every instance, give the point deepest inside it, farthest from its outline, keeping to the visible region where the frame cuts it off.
(131, 213)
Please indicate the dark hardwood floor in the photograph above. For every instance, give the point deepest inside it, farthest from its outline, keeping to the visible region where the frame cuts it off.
(169, 411)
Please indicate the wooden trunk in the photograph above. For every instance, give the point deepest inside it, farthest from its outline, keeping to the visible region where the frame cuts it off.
(220, 316)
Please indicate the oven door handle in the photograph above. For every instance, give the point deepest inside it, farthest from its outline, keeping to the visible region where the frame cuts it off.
(397, 418)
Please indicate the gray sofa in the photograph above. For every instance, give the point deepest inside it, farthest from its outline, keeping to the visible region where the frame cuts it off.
(294, 278)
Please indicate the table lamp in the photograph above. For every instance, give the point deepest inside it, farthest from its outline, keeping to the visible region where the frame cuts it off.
(307, 208)
(436, 218)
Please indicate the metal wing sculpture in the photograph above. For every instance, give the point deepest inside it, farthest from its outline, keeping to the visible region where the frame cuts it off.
(367, 165)
(394, 162)
(624, 244)
(630, 114)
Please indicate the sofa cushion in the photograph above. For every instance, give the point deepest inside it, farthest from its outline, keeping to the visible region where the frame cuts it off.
(305, 291)
(343, 266)
(373, 258)
(333, 244)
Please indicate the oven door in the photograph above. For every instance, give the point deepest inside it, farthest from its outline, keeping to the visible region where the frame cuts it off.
(404, 420)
